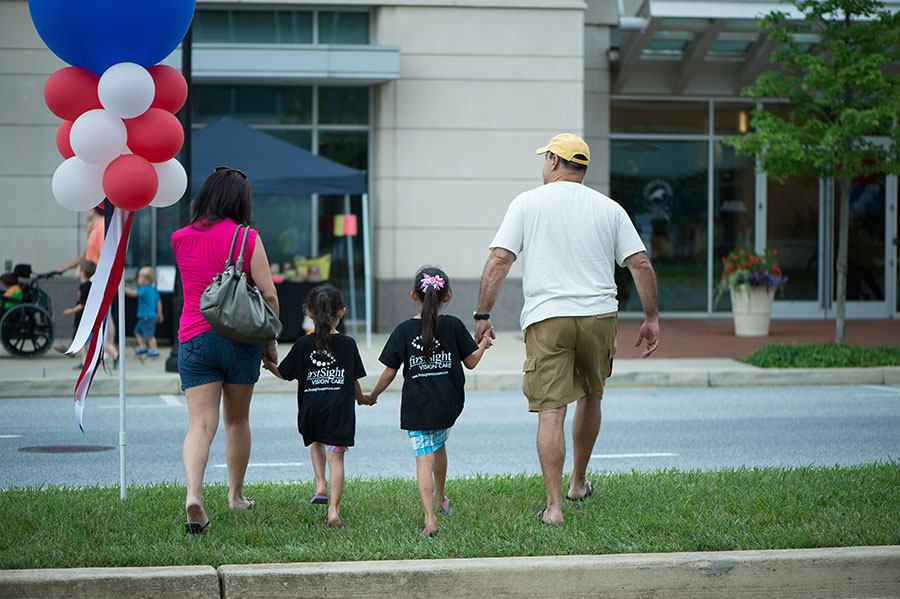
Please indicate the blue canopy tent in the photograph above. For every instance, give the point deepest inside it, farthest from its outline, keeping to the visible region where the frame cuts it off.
(273, 166)
(278, 167)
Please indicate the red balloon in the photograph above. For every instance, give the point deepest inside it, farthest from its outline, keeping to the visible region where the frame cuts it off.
(71, 91)
(171, 88)
(156, 135)
(130, 182)
(62, 140)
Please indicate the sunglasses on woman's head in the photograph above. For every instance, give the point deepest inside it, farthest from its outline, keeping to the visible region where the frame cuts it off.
(228, 168)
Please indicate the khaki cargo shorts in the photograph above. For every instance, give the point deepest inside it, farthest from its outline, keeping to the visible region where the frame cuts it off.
(567, 358)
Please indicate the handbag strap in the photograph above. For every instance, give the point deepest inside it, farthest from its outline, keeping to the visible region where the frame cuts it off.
(231, 249)
(240, 261)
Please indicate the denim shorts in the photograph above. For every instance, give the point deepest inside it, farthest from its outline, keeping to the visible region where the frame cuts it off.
(145, 327)
(210, 358)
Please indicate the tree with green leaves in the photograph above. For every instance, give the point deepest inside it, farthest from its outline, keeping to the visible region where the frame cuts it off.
(838, 68)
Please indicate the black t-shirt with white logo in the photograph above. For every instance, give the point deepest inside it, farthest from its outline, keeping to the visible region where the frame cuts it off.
(433, 388)
(326, 396)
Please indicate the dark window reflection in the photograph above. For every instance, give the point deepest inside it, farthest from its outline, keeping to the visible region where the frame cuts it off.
(663, 187)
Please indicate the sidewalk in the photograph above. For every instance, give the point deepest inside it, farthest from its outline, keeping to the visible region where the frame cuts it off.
(693, 353)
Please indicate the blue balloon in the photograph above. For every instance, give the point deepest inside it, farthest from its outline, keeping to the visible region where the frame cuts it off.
(96, 34)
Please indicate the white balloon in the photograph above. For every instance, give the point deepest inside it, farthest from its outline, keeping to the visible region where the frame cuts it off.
(126, 89)
(172, 183)
(98, 136)
(78, 185)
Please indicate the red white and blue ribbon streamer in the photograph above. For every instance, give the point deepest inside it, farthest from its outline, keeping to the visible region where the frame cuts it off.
(94, 321)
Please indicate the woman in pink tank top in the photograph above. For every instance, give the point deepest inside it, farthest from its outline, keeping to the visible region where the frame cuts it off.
(212, 367)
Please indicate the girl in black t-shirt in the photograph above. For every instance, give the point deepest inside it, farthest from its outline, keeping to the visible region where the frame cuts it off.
(327, 366)
(432, 349)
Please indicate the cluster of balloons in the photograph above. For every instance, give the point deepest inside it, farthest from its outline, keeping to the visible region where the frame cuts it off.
(119, 134)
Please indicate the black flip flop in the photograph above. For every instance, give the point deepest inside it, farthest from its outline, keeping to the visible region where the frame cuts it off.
(195, 528)
(589, 490)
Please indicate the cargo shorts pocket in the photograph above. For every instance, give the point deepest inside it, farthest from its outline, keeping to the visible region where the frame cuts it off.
(528, 382)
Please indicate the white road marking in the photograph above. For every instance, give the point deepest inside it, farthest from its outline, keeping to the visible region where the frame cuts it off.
(608, 456)
(264, 465)
(171, 400)
(10, 436)
(893, 390)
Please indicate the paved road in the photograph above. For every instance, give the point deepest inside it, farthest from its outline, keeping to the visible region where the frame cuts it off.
(643, 429)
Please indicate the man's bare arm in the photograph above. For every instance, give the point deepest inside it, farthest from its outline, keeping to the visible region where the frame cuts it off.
(645, 282)
(495, 271)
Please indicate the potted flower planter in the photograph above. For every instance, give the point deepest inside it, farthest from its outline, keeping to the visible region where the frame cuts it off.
(751, 308)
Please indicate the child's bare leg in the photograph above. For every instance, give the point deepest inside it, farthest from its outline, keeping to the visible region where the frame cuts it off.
(140, 340)
(424, 478)
(151, 343)
(440, 475)
(336, 480)
(317, 453)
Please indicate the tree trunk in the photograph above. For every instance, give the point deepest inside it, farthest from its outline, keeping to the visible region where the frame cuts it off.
(840, 311)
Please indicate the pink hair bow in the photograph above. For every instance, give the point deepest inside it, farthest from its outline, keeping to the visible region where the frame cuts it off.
(433, 281)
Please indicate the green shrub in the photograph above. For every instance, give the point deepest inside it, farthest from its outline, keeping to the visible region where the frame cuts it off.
(824, 355)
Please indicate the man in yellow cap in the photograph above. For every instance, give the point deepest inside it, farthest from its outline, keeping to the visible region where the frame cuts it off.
(570, 237)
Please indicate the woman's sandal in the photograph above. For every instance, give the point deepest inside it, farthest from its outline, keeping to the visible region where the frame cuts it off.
(195, 528)
(249, 506)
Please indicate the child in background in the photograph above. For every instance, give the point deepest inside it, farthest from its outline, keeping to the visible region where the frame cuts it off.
(432, 349)
(327, 366)
(149, 312)
(85, 270)
(12, 296)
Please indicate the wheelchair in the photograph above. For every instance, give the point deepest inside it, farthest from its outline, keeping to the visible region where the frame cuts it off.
(26, 328)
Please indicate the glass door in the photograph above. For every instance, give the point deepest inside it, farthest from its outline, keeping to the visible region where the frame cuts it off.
(870, 251)
(794, 220)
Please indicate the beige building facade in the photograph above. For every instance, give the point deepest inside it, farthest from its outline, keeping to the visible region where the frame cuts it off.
(452, 98)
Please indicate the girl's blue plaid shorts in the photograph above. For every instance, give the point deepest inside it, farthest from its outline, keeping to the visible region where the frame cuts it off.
(428, 441)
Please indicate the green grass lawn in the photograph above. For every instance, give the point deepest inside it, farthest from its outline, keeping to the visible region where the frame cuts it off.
(824, 355)
(665, 511)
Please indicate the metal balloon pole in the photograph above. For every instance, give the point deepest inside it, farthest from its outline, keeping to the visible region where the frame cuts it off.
(123, 487)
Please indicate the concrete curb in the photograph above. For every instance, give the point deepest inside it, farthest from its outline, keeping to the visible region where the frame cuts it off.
(185, 582)
(859, 572)
(821, 573)
(500, 380)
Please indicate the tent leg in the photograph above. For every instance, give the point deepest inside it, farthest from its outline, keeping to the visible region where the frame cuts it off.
(351, 268)
(367, 268)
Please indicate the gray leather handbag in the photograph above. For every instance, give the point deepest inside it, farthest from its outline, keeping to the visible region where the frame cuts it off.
(235, 309)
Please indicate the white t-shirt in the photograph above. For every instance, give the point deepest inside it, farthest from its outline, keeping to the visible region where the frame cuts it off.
(569, 236)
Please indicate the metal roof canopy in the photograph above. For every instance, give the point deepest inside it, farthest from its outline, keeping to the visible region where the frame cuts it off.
(669, 45)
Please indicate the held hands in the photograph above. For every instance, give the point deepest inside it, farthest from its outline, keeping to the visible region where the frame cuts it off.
(367, 400)
(270, 359)
(483, 328)
(487, 339)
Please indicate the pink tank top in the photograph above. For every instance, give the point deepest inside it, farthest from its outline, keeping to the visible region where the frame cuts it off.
(200, 254)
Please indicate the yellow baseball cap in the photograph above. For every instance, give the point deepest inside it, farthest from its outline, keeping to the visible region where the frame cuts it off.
(569, 147)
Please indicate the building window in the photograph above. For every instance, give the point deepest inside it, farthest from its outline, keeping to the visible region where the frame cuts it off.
(343, 27)
(332, 121)
(281, 27)
(663, 187)
(644, 116)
